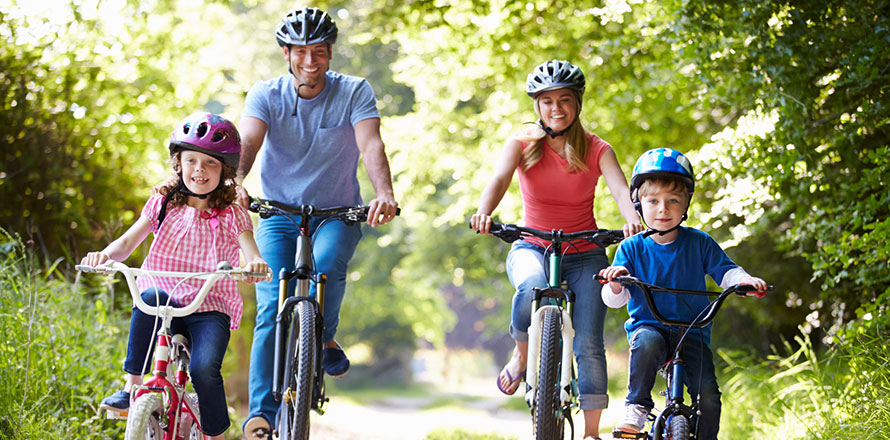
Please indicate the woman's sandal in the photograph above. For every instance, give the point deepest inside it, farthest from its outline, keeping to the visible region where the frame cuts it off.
(513, 383)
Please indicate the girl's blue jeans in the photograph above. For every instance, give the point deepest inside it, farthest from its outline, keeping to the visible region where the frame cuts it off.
(526, 265)
(208, 334)
(333, 246)
(650, 348)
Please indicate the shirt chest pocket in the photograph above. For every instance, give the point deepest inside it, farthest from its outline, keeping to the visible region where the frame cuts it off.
(336, 141)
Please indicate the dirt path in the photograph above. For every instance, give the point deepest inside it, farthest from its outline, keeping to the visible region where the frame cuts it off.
(473, 408)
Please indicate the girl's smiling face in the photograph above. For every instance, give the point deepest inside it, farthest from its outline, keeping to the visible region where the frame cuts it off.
(201, 173)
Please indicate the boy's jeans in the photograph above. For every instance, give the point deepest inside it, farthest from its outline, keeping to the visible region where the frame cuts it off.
(333, 246)
(208, 334)
(525, 268)
(650, 348)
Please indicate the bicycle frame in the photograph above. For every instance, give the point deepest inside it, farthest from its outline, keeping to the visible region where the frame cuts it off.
(292, 321)
(179, 415)
(555, 298)
(304, 272)
(674, 370)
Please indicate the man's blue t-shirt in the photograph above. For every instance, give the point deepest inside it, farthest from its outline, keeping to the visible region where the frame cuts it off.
(311, 158)
(681, 264)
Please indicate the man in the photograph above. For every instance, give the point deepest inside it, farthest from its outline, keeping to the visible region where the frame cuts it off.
(312, 125)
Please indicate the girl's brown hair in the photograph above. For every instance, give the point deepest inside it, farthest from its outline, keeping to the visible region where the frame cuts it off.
(575, 149)
(221, 198)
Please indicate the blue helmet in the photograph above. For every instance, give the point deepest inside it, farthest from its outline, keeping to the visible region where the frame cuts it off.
(664, 163)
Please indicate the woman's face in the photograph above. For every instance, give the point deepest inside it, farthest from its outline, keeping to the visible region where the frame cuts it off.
(557, 108)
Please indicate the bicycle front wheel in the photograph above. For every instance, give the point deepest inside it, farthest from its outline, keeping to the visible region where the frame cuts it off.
(143, 422)
(678, 428)
(548, 419)
(298, 370)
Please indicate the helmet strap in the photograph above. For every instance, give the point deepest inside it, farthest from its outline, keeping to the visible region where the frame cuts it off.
(550, 131)
(650, 231)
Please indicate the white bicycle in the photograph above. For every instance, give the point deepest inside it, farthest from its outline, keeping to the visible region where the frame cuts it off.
(161, 408)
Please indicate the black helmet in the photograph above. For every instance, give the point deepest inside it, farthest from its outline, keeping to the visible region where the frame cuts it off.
(302, 27)
(555, 74)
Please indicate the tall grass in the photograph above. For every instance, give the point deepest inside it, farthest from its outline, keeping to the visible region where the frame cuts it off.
(841, 393)
(57, 346)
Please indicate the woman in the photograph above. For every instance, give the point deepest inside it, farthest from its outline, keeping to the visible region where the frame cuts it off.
(559, 165)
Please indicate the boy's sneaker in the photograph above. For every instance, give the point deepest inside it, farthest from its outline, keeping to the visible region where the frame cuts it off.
(634, 418)
(119, 401)
(257, 428)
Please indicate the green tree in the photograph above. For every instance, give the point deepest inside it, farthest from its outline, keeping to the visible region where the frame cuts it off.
(811, 80)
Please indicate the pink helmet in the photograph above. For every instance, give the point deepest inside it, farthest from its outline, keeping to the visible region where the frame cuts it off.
(209, 134)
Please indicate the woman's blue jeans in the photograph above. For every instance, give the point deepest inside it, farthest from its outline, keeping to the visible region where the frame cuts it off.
(333, 246)
(208, 334)
(526, 265)
(650, 348)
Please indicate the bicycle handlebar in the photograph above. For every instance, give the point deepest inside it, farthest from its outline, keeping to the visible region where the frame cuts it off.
(224, 270)
(267, 208)
(738, 289)
(600, 237)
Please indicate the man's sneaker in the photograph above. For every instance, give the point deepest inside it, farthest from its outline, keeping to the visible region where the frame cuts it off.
(119, 401)
(257, 428)
(335, 362)
(634, 418)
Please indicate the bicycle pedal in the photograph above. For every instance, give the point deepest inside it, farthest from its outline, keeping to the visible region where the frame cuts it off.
(116, 415)
(632, 435)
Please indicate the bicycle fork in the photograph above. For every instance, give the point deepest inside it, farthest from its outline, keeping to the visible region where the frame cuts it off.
(535, 331)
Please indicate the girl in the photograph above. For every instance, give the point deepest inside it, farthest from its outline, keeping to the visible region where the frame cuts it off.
(559, 165)
(196, 225)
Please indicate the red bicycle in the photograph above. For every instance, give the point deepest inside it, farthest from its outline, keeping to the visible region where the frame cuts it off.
(161, 408)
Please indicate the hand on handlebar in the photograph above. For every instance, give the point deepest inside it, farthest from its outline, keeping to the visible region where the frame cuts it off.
(242, 197)
(382, 210)
(94, 259)
(609, 274)
(760, 286)
(257, 266)
(632, 229)
(481, 223)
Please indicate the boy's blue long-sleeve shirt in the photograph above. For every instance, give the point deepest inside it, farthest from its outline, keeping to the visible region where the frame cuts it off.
(681, 264)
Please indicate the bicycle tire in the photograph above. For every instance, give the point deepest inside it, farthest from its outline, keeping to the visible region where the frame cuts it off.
(547, 420)
(678, 428)
(143, 421)
(298, 370)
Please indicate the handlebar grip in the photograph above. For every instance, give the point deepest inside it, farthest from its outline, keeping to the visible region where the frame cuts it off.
(749, 290)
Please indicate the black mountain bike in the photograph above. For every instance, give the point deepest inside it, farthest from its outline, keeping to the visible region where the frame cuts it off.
(297, 374)
(677, 421)
(550, 381)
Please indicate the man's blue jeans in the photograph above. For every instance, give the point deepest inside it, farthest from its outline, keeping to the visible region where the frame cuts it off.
(526, 270)
(208, 334)
(333, 246)
(650, 348)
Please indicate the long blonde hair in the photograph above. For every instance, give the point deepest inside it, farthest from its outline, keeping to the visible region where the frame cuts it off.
(575, 149)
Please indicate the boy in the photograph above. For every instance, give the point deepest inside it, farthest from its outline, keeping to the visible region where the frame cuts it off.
(668, 255)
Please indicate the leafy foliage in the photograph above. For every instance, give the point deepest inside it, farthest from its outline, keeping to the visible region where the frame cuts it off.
(55, 349)
(90, 95)
(815, 75)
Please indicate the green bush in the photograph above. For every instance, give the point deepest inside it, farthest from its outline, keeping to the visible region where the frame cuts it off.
(58, 343)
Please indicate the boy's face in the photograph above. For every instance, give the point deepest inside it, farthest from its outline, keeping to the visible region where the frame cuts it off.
(663, 208)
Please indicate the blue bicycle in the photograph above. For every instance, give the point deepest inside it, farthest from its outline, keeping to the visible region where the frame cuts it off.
(677, 421)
